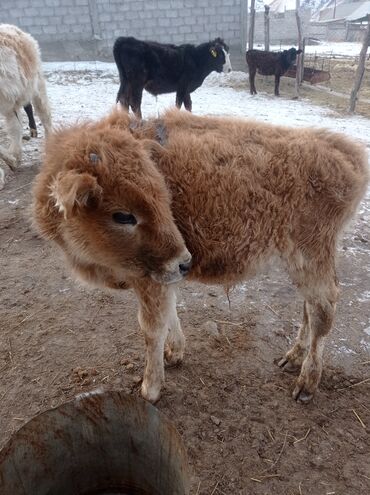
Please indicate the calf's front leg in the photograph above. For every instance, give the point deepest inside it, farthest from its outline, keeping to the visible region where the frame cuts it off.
(155, 304)
(183, 97)
(252, 75)
(179, 99)
(175, 343)
(277, 84)
(14, 127)
(187, 102)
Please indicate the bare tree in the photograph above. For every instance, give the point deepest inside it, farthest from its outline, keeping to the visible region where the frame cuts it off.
(267, 27)
(360, 68)
(251, 25)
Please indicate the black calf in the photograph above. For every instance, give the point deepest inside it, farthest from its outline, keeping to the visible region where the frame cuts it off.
(269, 64)
(162, 68)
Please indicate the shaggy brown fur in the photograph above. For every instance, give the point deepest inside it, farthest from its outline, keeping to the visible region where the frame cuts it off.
(241, 192)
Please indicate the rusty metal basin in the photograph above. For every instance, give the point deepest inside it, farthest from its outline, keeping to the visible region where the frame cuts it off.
(101, 443)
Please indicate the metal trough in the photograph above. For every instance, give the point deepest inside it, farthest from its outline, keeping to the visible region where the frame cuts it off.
(311, 75)
(99, 443)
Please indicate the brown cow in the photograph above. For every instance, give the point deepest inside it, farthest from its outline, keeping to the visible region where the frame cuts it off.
(127, 202)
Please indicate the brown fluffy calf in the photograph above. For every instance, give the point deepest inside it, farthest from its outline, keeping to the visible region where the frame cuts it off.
(127, 202)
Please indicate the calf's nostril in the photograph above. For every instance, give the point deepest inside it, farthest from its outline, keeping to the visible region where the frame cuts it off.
(185, 267)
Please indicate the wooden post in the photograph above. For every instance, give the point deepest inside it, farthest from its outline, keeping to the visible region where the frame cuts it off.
(267, 27)
(347, 30)
(244, 27)
(302, 59)
(251, 25)
(299, 58)
(360, 68)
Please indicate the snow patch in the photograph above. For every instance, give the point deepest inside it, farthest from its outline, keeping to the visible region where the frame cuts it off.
(364, 297)
(327, 49)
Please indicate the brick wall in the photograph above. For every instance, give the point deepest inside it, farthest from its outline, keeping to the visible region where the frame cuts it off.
(84, 28)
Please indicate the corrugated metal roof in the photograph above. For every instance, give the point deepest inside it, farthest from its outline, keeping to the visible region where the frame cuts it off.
(360, 13)
(341, 11)
(348, 10)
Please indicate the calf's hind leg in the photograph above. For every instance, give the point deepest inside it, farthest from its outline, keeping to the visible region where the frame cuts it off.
(135, 101)
(41, 103)
(319, 288)
(294, 357)
(31, 120)
(123, 96)
(321, 314)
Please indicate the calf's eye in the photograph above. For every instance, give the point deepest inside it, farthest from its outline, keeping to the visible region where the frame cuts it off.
(124, 218)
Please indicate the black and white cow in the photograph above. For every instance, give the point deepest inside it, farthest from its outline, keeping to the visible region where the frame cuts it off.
(163, 68)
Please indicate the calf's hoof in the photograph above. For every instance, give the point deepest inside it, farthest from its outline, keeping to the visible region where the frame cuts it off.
(308, 380)
(173, 357)
(288, 366)
(174, 352)
(293, 359)
(306, 386)
(33, 133)
(301, 395)
(151, 393)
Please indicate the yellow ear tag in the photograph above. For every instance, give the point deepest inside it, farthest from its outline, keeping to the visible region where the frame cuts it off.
(213, 53)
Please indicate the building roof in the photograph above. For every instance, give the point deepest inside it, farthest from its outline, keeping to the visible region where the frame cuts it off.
(360, 13)
(344, 10)
(280, 6)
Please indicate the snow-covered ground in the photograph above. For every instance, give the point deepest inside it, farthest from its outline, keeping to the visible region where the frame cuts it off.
(325, 49)
(88, 90)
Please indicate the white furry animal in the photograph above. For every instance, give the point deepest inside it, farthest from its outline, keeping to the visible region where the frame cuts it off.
(21, 83)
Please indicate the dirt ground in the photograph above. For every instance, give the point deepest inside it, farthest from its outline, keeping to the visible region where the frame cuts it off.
(231, 403)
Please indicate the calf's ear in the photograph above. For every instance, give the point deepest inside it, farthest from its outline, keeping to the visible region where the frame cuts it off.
(72, 190)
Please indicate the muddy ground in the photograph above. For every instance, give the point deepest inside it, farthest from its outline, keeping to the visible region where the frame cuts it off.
(231, 403)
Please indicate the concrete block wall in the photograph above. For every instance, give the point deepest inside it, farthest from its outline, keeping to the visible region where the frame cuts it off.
(81, 29)
(338, 31)
(356, 32)
(48, 20)
(172, 21)
(318, 30)
(283, 27)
